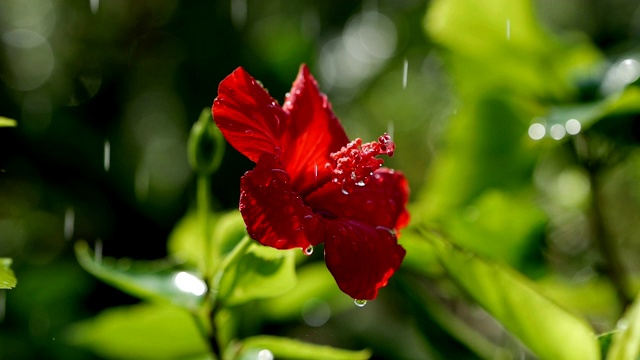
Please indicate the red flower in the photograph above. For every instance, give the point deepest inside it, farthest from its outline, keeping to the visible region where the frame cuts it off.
(311, 185)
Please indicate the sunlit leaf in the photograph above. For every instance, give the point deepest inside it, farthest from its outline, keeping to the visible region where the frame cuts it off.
(186, 240)
(605, 343)
(514, 52)
(7, 278)
(152, 280)
(284, 348)
(6, 122)
(537, 321)
(626, 342)
(513, 223)
(314, 283)
(140, 332)
(262, 272)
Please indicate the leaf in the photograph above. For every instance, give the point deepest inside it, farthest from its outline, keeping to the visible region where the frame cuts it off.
(185, 241)
(626, 341)
(284, 348)
(502, 45)
(6, 122)
(150, 280)
(7, 278)
(514, 224)
(512, 300)
(261, 272)
(314, 282)
(140, 332)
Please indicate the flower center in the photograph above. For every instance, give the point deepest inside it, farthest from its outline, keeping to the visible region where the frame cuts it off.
(356, 162)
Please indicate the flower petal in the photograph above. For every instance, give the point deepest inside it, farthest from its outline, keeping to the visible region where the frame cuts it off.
(381, 202)
(273, 212)
(360, 257)
(312, 134)
(249, 118)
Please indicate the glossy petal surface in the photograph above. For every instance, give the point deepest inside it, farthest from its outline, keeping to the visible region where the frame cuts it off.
(274, 213)
(381, 202)
(361, 257)
(249, 118)
(312, 134)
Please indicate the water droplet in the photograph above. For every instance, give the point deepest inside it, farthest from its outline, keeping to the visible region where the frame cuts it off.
(344, 191)
(360, 183)
(309, 250)
(249, 132)
(405, 72)
(107, 155)
(360, 303)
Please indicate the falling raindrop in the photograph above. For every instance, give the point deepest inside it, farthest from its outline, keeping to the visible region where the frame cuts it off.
(189, 283)
(94, 4)
(309, 250)
(97, 252)
(508, 29)
(107, 155)
(360, 303)
(69, 222)
(405, 71)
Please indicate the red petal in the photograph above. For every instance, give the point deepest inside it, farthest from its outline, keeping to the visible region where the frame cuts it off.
(381, 202)
(311, 135)
(360, 257)
(248, 117)
(273, 212)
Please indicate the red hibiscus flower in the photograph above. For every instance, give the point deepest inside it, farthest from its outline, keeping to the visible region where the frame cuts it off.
(311, 185)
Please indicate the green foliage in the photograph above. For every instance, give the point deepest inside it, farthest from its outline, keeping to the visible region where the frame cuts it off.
(625, 344)
(150, 280)
(514, 301)
(6, 122)
(283, 348)
(257, 272)
(144, 331)
(7, 278)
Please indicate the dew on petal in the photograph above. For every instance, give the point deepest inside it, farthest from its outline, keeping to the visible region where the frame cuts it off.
(309, 250)
(360, 303)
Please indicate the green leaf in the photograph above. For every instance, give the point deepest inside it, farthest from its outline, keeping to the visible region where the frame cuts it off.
(261, 272)
(7, 278)
(626, 341)
(314, 282)
(140, 332)
(513, 223)
(511, 298)
(605, 343)
(284, 348)
(502, 45)
(6, 122)
(151, 280)
(186, 240)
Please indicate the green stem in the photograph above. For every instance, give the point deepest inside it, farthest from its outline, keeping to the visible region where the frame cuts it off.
(203, 195)
(613, 265)
(214, 290)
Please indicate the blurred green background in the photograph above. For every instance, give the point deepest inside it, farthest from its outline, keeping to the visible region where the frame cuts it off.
(105, 92)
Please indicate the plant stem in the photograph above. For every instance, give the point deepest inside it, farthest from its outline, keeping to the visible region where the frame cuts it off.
(203, 194)
(614, 268)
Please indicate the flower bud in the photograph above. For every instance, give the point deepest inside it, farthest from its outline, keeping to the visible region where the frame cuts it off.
(206, 145)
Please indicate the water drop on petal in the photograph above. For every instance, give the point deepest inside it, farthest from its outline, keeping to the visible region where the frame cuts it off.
(360, 303)
(309, 250)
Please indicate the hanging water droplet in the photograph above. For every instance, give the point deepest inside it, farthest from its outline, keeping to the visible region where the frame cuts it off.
(309, 250)
(360, 303)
